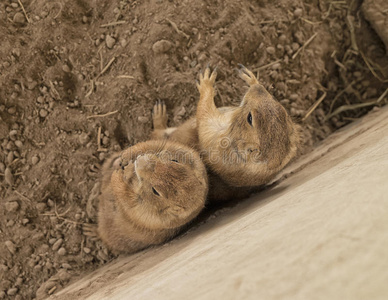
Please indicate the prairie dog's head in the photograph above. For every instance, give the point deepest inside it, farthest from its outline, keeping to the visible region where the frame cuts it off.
(160, 184)
(260, 140)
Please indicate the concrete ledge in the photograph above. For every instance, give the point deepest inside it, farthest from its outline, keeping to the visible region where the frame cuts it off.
(322, 233)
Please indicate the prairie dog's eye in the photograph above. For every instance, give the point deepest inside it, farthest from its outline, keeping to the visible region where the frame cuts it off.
(174, 160)
(155, 192)
(249, 119)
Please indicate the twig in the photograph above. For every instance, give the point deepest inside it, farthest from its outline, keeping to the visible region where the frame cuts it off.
(339, 95)
(22, 196)
(382, 96)
(349, 23)
(60, 9)
(314, 106)
(24, 11)
(103, 115)
(305, 45)
(350, 107)
(113, 24)
(99, 138)
(101, 61)
(59, 216)
(267, 65)
(53, 91)
(91, 89)
(177, 29)
(371, 69)
(125, 76)
(106, 67)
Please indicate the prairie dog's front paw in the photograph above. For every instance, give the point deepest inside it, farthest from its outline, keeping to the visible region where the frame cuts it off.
(159, 115)
(247, 75)
(206, 81)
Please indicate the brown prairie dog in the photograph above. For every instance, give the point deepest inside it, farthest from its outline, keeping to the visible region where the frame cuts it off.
(254, 140)
(243, 147)
(148, 194)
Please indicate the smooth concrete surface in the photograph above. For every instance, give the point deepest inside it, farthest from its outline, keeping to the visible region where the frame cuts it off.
(321, 233)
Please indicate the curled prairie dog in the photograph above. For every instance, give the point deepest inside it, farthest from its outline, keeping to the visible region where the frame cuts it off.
(243, 147)
(249, 144)
(149, 193)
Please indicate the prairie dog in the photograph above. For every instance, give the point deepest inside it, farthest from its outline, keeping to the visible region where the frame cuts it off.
(148, 194)
(243, 147)
(249, 144)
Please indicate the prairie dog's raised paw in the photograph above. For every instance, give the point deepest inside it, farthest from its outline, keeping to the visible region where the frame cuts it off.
(159, 115)
(90, 230)
(207, 80)
(247, 75)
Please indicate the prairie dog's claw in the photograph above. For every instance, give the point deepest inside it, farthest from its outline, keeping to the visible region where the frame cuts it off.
(247, 75)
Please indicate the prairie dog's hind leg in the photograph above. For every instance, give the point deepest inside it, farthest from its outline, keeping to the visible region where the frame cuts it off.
(159, 115)
(159, 120)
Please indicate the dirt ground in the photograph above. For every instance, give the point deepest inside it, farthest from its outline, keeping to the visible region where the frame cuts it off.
(78, 80)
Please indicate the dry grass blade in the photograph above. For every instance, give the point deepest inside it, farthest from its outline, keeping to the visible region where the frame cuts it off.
(177, 29)
(24, 11)
(305, 45)
(371, 68)
(106, 67)
(113, 24)
(356, 106)
(314, 106)
(267, 65)
(103, 115)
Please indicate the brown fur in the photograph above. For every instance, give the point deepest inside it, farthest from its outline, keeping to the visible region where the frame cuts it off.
(131, 217)
(239, 156)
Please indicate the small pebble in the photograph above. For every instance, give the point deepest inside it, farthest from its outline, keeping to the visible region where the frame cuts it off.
(8, 176)
(19, 144)
(12, 110)
(12, 206)
(83, 138)
(12, 291)
(66, 266)
(62, 251)
(105, 140)
(142, 119)
(161, 46)
(57, 244)
(294, 97)
(295, 46)
(2, 167)
(19, 18)
(43, 113)
(2, 295)
(270, 50)
(298, 12)
(101, 156)
(110, 41)
(34, 159)
(87, 250)
(84, 19)
(41, 206)
(25, 221)
(31, 85)
(10, 157)
(10, 246)
(66, 68)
